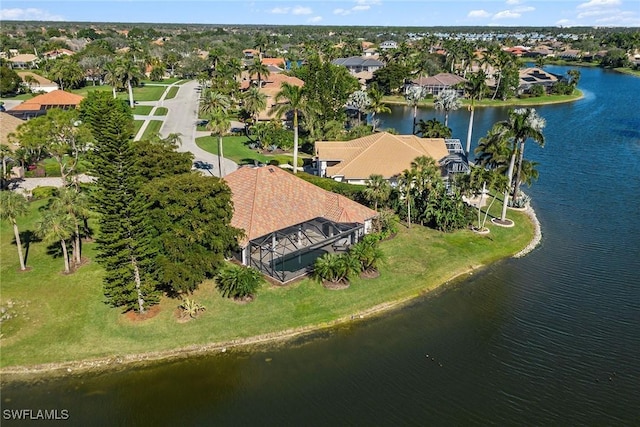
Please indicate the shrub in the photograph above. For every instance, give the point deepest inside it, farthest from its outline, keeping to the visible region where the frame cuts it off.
(335, 267)
(353, 192)
(191, 308)
(386, 223)
(51, 169)
(238, 282)
(367, 253)
(40, 193)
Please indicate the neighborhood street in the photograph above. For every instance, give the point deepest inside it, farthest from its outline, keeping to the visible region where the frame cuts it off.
(181, 119)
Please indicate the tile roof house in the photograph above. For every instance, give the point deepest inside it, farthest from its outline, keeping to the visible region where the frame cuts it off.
(289, 222)
(40, 85)
(39, 105)
(436, 84)
(57, 53)
(23, 61)
(356, 64)
(382, 153)
(534, 76)
(271, 85)
(8, 124)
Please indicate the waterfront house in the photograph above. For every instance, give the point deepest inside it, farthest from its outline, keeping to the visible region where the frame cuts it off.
(436, 84)
(383, 154)
(530, 77)
(289, 222)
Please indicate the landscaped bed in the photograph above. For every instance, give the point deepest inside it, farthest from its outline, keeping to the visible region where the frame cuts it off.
(58, 318)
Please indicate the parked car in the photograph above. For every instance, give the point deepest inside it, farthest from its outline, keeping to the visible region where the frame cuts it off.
(202, 122)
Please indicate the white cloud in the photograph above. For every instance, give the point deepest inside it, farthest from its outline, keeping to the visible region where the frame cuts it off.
(300, 10)
(506, 14)
(599, 3)
(478, 14)
(341, 11)
(512, 2)
(596, 12)
(564, 23)
(30, 14)
(315, 19)
(524, 9)
(361, 7)
(280, 10)
(368, 2)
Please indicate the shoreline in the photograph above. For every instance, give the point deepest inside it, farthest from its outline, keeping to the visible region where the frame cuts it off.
(112, 363)
(115, 362)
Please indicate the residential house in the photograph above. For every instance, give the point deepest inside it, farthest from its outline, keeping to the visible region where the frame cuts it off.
(8, 125)
(383, 154)
(388, 45)
(357, 64)
(37, 83)
(289, 222)
(570, 54)
(251, 53)
(534, 76)
(57, 53)
(371, 52)
(436, 84)
(25, 61)
(39, 105)
(271, 85)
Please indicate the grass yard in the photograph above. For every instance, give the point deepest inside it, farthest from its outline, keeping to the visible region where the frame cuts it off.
(172, 93)
(161, 111)
(57, 317)
(142, 110)
(152, 128)
(234, 148)
(137, 124)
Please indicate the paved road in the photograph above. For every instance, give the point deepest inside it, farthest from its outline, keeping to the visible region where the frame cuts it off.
(181, 118)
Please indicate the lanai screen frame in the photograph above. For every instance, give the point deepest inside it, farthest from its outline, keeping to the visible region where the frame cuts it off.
(295, 241)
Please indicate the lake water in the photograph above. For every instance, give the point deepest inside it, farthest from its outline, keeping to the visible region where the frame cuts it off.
(549, 339)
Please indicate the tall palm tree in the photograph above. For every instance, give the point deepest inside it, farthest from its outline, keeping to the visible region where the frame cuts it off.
(447, 100)
(376, 106)
(377, 190)
(259, 69)
(297, 99)
(56, 226)
(413, 96)
(5, 152)
(129, 73)
(253, 102)
(12, 206)
(212, 100)
(475, 89)
(112, 76)
(75, 204)
(218, 126)
(526, 124)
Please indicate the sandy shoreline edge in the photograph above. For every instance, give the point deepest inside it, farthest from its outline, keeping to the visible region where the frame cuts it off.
(26, 373)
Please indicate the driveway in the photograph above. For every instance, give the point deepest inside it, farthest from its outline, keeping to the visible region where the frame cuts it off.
(181, 118)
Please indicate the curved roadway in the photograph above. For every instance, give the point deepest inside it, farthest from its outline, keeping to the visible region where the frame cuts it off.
(181, 119)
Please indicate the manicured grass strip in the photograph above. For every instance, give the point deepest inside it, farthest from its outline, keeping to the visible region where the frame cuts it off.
(172, 93)
(137, 124)
(152, 128)
(161, 111)
(488, 102)
(142, 110)
(60, 317)
(234, 148)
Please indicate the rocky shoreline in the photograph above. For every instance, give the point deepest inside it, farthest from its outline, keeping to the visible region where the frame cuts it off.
(537, 233)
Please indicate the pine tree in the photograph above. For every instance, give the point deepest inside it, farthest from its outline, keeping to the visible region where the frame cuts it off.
(124, 244)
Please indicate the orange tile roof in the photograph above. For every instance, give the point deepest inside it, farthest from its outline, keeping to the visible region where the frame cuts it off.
(381, 153)
(56, 98)
(278, 62)
(267, 199)
(41, 80)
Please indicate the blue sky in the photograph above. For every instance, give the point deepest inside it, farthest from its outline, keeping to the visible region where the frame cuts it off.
(335, 12)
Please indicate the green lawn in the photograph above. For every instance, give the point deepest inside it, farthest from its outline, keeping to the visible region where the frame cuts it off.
(152, 128)
(161, 111)
(235, 148)
(142, 110)
(137, 124)
(172, 93)
(57, 317)
(488, 102)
